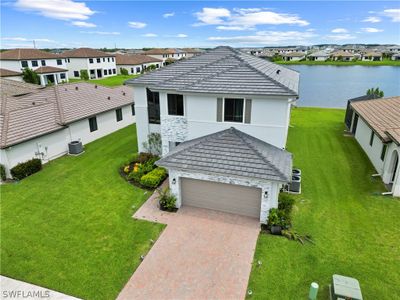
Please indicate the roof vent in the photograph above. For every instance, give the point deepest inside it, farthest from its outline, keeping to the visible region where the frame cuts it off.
(277, 72)
(123, 93)
(76, 88)
(33, 103)
(109, 98)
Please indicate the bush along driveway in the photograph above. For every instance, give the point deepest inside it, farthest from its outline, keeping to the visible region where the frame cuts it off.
(70, 228)
(355, 230)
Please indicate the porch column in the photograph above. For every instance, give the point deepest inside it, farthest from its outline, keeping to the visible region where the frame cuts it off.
(42, 80)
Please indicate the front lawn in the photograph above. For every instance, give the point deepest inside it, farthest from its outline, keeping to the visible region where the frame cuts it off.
(70, 226)
(356, 231)
(109, 81)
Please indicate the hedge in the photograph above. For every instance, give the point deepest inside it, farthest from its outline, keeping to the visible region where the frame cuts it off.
(2, 172)
(26, 169)
(153, 178)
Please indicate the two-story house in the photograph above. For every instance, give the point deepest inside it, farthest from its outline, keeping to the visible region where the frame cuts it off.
(97, 63)
(136, 63)
(165, 54)
(223, 118)
(50, 67)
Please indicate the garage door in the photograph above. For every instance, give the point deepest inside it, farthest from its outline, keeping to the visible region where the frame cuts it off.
(230, 198)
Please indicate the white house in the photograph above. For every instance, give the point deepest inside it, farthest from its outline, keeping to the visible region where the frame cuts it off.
(136, 63)
(166, 54)
(396, 56)
(376, 126)
(97, 63)
(319, 56)
(41, 123)
(50, 67)
(293, 56)
(204, 96)
(342, 55)
(11, 75)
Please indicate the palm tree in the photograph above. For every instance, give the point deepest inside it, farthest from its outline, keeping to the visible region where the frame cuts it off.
(376, 92)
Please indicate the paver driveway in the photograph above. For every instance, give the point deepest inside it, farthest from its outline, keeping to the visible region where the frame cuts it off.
(202, 254)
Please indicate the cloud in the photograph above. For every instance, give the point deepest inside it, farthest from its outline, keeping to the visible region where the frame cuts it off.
(267, 37)
(181, 35)
(149, 35)
(22, 39)
(393, 13)
(57, 9)
(102, 32)
(341, 37)
(245, 18)
(137, 25)
(371, 30)
(339, 30)
(372, 20)
(168, 15)
(83, 24)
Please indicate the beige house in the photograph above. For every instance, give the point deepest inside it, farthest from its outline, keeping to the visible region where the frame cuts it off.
(166, 54)
(372, 56)
(293, 56)
(136, 63)
(342, 56)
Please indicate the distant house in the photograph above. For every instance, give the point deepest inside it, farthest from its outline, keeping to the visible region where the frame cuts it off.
(319, 56)
(376, 126)
(396, 56)
(39, 123)
(97, 63)
(50, 67)
(191, 51)
(394, 49)
(293, 56)
(342, 56)
(135, 63)
(165, 54)
(12, 75)
(372, 56)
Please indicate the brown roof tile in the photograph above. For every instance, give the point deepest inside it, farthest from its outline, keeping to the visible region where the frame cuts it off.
(135, 59)
(161, 51)
(7, 73)
(85, 53)
(48, 69)
(19, 54)
(15, 88)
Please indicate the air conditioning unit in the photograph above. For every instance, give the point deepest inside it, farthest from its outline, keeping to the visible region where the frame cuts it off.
(75, 147)
(344, 288)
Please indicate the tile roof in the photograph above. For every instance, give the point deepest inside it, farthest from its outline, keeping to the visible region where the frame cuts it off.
(294, 54)
(19, 54)
(7, 73)
(382, 115)
(14, 88)
(52, 108)
(223, 70)
(85, 53)
(135, 59)
(321, 53)
(231, 152)
(157, 51)
(49, 69)
(342, 53)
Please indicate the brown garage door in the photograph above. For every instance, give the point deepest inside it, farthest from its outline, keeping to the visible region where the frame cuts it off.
(230, 198)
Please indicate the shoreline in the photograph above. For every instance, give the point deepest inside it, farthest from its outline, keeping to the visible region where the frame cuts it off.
(391, 63)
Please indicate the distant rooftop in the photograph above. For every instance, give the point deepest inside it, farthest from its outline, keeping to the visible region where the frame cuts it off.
(135, 59)
(85, 53)
(20, 54)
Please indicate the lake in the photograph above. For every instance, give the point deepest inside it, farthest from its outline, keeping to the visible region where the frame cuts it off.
(332, 86)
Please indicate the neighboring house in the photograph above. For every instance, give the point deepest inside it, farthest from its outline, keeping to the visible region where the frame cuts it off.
(50, 67)
(396, 56)
(319, 56)
(166, 54)
(349, 110)
(12, 75)
(39, 123)
(191, 52)
(97, 63)
(293, 56)
(135, 63)
(198, 97)
(342, 56)
(372, 56)
(394, 49)
(376, 127)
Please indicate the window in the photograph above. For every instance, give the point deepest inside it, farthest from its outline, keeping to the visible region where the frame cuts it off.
(98, 60)
(67, 60)
(93, 124)
(133, 109)
(118, 113)
(110, 71)
(43, 62)
(114, 71)
(112, 58)
(24, 64)
(59, 62)
(233, 110)
(76, 73)
(371, 139)
(62, 76)
(105, 72)
(108, 59)
(104, 59)
(137, 69)
(175, 105)
(153, 106)
(383, 153)
(35, 63)
(157, 66)
(90, 60)
(132, 70)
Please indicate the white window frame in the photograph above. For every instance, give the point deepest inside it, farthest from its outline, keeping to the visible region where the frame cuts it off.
(223, 111)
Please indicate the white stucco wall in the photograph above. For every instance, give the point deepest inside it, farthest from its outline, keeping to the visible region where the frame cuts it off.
(141, 66)
(272, 188)
(15, 65)
(78, 64)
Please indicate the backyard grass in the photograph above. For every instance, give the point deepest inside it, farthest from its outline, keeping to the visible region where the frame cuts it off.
(385, 62)
(356, 231)
(70, 226)
(109, 81)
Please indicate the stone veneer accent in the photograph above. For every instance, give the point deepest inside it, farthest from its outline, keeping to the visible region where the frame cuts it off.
(173, 129)
(271, 201)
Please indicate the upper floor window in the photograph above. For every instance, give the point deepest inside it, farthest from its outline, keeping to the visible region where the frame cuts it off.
(35, 63)
(118, 113)
(153, 106)
(24, 64)
(67, 60)
(371, 139)
(112, 58)
(98, 60)
(92, 124)
(59, 62)
(383, 153)
(104, 59)
(175, 105)
(233, 110)
(133, 109)
(108, 59)
(43, 62)
(90, 60)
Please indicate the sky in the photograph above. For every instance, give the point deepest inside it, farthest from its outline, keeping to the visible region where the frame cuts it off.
(138, 24)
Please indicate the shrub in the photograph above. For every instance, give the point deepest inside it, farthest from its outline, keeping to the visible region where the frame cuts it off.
(166, 199)
(26, 169)
(136, 173)
(285, 202)
(30, 76)
(153, 178)
(84, 75)
(2, 172)
(124, 71)
(145, 156)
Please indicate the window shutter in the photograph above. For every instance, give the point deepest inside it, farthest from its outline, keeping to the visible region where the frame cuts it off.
(247, 117)
(219, 109)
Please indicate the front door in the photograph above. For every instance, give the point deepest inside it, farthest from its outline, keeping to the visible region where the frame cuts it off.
(99, 73)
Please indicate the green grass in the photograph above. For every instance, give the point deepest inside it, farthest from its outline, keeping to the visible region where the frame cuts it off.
(109, 81)
(385, 62)
(70, 226)
(356, 231)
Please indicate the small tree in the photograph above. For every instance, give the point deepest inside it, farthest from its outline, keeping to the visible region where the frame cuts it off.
(151, 68)
(84, 75)
(153, 144)
(169, 61)
(376, 92)
(124, 71)
(30, 76)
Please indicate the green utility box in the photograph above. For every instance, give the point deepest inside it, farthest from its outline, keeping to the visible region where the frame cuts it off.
(345, 288)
